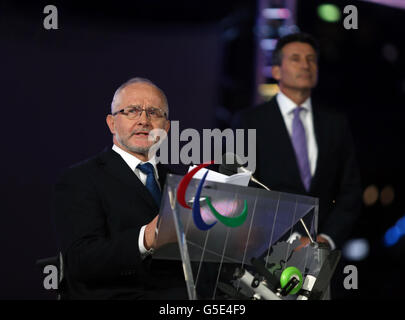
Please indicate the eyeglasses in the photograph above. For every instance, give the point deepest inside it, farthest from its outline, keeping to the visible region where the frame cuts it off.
(135, 112)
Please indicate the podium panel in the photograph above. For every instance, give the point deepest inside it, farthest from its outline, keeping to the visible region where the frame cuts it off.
(228, 227)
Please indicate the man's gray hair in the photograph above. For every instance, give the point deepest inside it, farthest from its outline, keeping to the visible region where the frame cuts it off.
(138, 80)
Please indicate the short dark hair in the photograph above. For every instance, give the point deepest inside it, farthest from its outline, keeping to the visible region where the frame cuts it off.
(277, 55)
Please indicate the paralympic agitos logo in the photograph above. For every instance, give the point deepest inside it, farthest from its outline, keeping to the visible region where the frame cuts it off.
(233, 222)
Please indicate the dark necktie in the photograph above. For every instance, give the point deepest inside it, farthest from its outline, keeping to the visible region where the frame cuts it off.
(299, 142)
(151, 184)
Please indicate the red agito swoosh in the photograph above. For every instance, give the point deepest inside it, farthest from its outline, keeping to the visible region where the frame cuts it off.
(181, 190)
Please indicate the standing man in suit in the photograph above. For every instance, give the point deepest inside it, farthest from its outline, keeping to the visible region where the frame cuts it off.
(304, 148)
(107, 207)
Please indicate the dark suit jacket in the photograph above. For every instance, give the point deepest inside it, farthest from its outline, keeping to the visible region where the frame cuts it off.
(100, 207)
(336, 181)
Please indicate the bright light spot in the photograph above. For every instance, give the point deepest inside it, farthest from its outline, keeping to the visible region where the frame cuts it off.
(401, 226)
(392, 236)
(288, 29)
(356, 249)
(268, 90)
(268, 44)
(370, 195)
(387, 195)
(329, 12)
(276, 13)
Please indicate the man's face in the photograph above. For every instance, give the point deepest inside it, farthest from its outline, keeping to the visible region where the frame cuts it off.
(132, 135)
(299, 68)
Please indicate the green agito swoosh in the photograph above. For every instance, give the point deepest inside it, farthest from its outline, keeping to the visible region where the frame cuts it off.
(229, 221)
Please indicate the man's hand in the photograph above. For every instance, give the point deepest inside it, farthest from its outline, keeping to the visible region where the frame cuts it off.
(151, 240)
(305, 242)
(150, 233)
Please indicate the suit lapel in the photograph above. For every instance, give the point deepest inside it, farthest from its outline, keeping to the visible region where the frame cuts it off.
(162, 172)
(117, 167)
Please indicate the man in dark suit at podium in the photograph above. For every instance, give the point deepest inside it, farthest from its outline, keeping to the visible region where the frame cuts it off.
(107, 207)
(304, 148)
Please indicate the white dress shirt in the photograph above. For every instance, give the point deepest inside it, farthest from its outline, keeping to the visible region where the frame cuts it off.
(287, 107)
(133, 162)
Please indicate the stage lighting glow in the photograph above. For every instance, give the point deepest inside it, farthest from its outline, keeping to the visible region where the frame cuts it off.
(392, 236)
(276, 13)
(288, 29)
(268, 90)
(394, 233)
(401, 225)
(329, 12)
(387, 195)
(370, 195)
(392, 3)
(356, 249)
(266, 72)
(268, 44)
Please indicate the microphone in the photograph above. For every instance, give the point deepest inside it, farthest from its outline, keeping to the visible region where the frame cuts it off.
(232, 163)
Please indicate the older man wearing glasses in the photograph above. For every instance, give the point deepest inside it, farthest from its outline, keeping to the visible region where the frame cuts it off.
(106, 207)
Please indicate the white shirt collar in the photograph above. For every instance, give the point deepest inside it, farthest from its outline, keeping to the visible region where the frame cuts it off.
(287, 105)
(133, 161)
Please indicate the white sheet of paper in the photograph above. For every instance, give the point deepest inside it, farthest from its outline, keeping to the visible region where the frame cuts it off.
(239, 179)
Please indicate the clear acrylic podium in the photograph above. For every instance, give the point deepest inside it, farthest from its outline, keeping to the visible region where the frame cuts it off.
(210, 257)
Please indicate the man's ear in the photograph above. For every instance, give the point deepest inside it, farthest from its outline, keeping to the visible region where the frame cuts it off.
(110, 122)
(275, 72)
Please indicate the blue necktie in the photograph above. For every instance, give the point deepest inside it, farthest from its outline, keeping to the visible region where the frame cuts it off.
(299, 142)
(151, 184)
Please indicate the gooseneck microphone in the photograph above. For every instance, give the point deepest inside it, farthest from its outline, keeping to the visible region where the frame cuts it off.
(232, 164)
